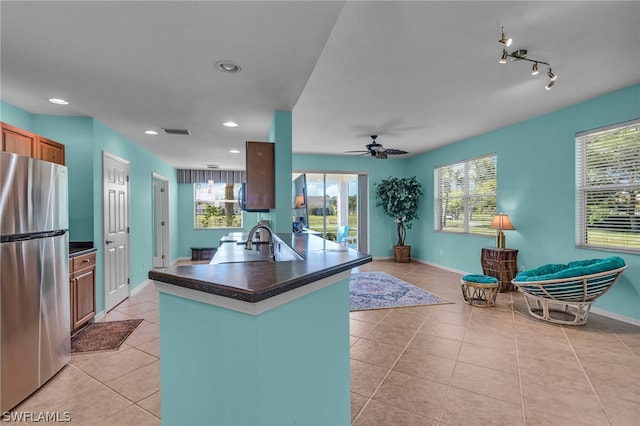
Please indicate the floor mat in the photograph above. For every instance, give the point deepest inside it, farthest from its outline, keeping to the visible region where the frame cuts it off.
(103, 336)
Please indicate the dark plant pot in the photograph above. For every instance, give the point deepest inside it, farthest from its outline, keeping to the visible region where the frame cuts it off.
(402, 254)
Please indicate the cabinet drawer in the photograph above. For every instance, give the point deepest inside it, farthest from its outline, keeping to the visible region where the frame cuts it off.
(83, 262)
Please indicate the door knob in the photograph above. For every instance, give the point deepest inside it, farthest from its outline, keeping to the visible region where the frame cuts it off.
(109, 242)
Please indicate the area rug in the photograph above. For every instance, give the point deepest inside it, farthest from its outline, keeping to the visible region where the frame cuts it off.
(378, 290)
(103, 336)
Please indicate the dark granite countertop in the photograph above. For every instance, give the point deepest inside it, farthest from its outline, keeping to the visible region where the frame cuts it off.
(79, 248)
(256, 281)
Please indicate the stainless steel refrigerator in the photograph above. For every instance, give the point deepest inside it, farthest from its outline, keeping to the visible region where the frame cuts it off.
(34, 275)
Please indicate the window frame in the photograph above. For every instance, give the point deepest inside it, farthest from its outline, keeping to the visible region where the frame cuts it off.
(466, 197)
(586, 190)
(198, 227)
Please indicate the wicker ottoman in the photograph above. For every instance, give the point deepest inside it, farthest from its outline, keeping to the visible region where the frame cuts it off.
(479, 290)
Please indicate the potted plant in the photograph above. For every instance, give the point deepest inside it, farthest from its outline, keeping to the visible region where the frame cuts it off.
(399, 199)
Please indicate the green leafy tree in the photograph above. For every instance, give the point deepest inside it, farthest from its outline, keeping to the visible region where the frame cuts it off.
(228, 207)
(399, 198)
(353, 204)
(211, 211)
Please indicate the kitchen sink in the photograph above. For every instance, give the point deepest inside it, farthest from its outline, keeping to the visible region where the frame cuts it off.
(236, 253)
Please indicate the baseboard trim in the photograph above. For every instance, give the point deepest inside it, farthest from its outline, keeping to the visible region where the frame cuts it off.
(615, 316)
(176, 260)
(140, 287)
(598, 311)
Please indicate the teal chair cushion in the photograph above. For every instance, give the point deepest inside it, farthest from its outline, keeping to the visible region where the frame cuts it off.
(572, 269)
(480, 279)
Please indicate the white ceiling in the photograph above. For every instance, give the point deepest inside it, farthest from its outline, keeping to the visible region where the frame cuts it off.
(420, 74)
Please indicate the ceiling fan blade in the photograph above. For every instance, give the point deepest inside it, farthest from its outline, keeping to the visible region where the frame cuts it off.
(392, 151)
(381, 155)
(357, 151)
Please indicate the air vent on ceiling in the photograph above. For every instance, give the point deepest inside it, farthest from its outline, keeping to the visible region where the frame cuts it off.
(213, 166)
(182, 132)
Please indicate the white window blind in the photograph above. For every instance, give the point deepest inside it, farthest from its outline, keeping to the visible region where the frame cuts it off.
(466, 195)
(608, 187)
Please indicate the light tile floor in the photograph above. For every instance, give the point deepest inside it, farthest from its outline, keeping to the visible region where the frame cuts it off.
(448, 364)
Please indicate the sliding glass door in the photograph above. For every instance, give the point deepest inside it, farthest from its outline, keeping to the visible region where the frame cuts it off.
(336, 207)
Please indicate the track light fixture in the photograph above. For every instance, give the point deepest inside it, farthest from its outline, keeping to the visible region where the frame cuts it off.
(503, 60)
(521, 55)
(506, 41)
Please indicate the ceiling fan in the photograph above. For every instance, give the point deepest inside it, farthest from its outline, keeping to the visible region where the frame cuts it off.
(378, 151)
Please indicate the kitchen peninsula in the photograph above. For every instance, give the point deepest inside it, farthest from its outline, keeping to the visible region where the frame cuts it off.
(256, 342)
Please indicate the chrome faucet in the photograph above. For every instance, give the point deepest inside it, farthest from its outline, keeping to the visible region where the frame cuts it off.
(248, 245)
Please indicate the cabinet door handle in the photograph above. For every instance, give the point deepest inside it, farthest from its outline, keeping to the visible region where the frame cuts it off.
(109, 242)
(85, 261)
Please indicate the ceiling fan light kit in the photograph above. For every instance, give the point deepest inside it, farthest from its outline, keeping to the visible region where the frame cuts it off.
(521, 55)
(378, 151)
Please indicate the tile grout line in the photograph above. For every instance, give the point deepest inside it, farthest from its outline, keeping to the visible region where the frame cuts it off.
(593, 389)
(515, 335)
(391, 368)
(446, 396)
(362, 337)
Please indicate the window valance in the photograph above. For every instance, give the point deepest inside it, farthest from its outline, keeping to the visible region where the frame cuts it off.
(218, 176)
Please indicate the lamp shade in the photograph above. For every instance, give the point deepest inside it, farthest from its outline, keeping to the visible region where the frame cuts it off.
(299, 201)
(501, 221)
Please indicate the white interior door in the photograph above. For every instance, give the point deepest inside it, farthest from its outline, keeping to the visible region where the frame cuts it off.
(115, 179)
(160, 221)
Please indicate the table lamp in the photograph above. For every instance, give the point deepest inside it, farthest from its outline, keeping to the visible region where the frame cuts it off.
(299, 201)
(501, 222)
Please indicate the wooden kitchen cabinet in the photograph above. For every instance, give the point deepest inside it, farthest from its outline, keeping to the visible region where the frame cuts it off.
(49, 150)
(18, 141)
(261, 176)
(22, 142)
(82, 284)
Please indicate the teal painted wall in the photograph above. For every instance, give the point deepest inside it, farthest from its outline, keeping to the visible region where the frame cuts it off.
(76, 133)
(281, 135)
(255, 370)
(536, 167)
(382, 229)
(15, 116)
(85, 139)
(142, 164)
(536, 187)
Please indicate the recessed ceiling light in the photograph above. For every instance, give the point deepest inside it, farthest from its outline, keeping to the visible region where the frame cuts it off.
(150, 132)
(228, 66)
(234, 151)
(59, 101)
(230, 124)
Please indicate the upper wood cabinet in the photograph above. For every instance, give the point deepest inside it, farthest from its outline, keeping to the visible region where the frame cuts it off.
(22, 142)
(49, 150)
(18, 141)
(261, 174)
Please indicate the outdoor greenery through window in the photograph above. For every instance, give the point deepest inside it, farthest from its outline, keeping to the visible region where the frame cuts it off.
(608, 187)
(216, 205)
(466, 196)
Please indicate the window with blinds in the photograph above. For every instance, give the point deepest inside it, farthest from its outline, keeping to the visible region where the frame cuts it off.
(465, 197)
(216, 205)
(608, 187)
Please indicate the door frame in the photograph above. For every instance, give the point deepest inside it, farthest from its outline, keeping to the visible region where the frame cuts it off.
(105, 227)
(164, 231)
